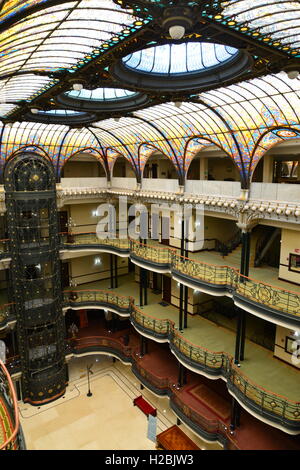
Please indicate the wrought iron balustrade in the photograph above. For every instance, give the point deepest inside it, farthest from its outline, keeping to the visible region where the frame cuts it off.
(150, 252)
(91, 238)
(115, 344)
(274, 297)
(266, 402)
(149, 323)
(101, 297)
(225, 276)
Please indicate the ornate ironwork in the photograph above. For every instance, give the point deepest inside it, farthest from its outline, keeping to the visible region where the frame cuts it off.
(35, 275)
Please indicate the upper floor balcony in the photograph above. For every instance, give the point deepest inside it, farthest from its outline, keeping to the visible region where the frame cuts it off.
(276, 302)
(264, 386)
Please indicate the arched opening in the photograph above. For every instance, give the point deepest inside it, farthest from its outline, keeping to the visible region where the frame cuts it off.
(122, 168)
(83, 165)
(158, 166)
(212, 163)
(280, 164)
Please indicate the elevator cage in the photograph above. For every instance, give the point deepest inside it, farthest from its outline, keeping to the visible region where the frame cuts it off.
(35, 280)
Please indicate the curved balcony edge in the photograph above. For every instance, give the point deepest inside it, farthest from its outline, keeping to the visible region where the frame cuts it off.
(284, 424)
(148, 264)
(210, 372)
(206, 435)
(148, 384)
(100, 350)
(160, 337)
(122, 311)
(95, 247)
(257, 410)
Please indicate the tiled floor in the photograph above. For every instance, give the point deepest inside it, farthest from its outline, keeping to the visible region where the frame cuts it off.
(105, 421)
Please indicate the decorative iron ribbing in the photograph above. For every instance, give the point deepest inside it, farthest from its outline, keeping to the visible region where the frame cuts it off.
(35, 275)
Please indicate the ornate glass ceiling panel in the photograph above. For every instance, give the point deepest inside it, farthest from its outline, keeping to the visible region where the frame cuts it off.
(179, 58)
(11, 7)
(22, 87)
(51, 39)
(6, 109)
(101, 94)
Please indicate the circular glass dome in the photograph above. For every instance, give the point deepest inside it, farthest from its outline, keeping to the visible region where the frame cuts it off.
(170, 59)
(190, 66)
(101, 94)
(60, 112)
(106, 100)
(61, 116)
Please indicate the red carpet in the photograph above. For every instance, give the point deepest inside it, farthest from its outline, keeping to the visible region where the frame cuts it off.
(211, 400)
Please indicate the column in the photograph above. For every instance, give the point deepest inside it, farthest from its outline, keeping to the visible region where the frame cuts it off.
(203, 164)
(112, 283)
(244, 270)
(235, 415)
(116, 271)
(268, 162)
(143, 346)
(186, 300)
(182, 375)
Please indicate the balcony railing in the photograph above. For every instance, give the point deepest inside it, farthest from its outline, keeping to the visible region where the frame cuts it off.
(229, 279)
(153, 253)
(91, 238)
(209, 426)
(98, 297)
(217, 276)
(9, 413)
(267, 403)
(155, 326)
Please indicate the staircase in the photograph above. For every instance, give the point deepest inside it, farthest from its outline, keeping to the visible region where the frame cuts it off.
(265, 243)
(234, 257)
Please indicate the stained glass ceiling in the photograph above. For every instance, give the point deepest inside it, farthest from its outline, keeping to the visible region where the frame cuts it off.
(58, 44)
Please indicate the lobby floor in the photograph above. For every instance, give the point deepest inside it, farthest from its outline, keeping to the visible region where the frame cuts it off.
(105, 421)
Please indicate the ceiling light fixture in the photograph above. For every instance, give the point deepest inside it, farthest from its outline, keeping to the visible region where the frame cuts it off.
(178, 104)
(293, 74)
(177, 21)
(77, 86)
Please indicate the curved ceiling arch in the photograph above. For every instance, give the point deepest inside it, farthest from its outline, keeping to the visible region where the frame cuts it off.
(270, 139)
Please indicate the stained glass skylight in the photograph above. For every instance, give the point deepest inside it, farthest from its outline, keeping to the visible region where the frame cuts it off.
(101, 94)
(59, 37)
(60, 112)
(179, 58)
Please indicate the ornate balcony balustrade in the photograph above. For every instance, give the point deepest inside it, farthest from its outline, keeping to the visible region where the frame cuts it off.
(152, 253)
(87, 239)
(154, 326)
(100, 343)
(207, 428)
(99, 298)
(253, 295)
